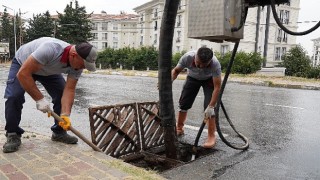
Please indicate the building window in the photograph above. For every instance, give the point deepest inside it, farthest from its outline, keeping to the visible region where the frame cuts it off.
(285, 37)
(104, 26)
(141, 28)
(104, 45)
(155, 39)
(105, 36)
(279, 37)
(141, 17)
(115, 45)
(141, 40)
(155, 25)
(280, 51)
(179, 21)
(284, 16)
(282, 36)
(115, 26)
(115, 37)
(95, 36)
(284, 51)
(95, 26)
(178, 48)
(178, 36)
(277, 54)
(224, 49)
(155, 12)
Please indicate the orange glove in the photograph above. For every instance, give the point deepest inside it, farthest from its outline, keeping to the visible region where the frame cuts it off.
(66, 123)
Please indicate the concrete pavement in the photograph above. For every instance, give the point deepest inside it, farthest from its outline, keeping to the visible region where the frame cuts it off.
(40, 158)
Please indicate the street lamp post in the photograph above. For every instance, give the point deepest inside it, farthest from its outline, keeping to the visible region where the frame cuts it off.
(14, 28)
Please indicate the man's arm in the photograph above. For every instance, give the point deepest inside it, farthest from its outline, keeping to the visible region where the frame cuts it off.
(29, 67)
(215, 93)
(68, 96)
(175, 72)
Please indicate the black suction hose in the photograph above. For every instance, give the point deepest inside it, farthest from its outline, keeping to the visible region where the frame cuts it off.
(219, 102)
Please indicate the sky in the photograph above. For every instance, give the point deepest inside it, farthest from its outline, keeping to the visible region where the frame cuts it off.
(309, 12)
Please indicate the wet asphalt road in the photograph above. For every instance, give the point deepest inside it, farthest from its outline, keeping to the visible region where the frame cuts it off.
(282, 126)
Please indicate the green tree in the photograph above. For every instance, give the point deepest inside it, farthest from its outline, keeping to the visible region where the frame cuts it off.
(7, 34)
(74, 25)
(41, 25)
(296, 62)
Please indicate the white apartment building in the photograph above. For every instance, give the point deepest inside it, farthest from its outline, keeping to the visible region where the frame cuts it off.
(278, 42)
(315, 60)
(114, 31)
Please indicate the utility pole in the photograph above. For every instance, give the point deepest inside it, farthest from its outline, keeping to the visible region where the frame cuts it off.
(257, 29)
(266, 38)
(20, 26)
(14, 28)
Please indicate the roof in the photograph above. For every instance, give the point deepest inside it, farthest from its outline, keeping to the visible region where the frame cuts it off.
(105, 16)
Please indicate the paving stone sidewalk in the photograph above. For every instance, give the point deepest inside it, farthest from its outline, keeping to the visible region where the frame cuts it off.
(40, 158)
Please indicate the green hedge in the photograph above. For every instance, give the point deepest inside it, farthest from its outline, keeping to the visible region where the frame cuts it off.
(127, 57)
(244, 63)
(147, 57)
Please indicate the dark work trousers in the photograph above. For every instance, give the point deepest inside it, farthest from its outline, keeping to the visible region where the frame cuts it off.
(190, 90)
(14, 93)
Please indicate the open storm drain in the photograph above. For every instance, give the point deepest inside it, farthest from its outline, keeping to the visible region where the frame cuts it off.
(156, 159)
(132, 132)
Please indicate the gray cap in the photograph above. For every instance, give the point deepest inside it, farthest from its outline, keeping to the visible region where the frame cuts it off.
(88, 54)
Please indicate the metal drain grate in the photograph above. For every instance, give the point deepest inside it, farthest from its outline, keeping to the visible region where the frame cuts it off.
(128, 128)
(150, 122)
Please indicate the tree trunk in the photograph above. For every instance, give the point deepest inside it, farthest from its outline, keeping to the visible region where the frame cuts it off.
(167, 113)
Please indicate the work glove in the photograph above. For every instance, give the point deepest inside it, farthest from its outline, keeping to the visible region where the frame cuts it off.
(209, 112)
(66, 123)
(43, 105)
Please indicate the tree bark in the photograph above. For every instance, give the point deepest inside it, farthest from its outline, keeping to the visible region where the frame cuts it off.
(167, 113)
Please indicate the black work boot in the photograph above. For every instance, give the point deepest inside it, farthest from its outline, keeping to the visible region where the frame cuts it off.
(64, 137)
(13, 143)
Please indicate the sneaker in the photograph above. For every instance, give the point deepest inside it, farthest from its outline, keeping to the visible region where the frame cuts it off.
(64, 138)
(13, 143)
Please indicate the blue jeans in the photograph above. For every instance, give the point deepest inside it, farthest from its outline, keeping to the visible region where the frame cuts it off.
(14, 93)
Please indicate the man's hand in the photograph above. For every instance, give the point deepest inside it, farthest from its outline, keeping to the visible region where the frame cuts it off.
(43, 105)
(66, 123)
(209, 112)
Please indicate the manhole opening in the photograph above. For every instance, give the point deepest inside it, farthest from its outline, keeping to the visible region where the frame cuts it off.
(156, 159)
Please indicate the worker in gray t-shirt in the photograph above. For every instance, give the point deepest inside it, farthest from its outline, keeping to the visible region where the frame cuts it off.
(203, 70)
(44, 60)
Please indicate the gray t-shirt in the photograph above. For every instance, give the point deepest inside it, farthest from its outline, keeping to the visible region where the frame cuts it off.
(48, 52)
(188, 61)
